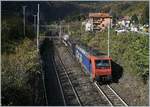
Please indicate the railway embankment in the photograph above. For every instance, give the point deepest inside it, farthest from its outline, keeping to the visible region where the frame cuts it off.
(134, 92)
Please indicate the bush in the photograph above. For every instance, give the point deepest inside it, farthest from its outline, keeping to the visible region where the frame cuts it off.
(21, 76)
(12, 33)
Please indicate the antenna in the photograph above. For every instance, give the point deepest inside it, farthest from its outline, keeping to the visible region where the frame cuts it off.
(60, 32)
(68, 30)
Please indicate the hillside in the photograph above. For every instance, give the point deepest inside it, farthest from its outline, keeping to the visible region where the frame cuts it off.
(54, 10)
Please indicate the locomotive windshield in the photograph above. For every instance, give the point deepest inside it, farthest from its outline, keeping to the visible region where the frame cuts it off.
(102, 63)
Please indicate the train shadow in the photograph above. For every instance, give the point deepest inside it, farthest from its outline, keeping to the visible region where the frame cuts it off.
(117, 73)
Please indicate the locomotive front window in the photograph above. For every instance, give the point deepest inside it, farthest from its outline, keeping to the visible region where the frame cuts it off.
(102, 63)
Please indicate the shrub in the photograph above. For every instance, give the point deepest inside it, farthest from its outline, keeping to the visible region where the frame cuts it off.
(21, 76)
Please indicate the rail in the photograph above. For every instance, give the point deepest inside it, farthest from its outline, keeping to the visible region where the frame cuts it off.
(110, 95)
(42, 72)
(62, 93)
(103, 94)
(117, 95)
(63, 68)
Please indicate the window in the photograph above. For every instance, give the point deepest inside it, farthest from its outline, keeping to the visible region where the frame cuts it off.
(102, 63)
(103, 25)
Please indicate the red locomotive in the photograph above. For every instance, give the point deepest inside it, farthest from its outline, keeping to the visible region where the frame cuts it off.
(97, 65)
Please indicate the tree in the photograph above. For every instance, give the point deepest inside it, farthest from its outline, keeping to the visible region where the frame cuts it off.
(114, 16)
(134, 19)
(145, 16)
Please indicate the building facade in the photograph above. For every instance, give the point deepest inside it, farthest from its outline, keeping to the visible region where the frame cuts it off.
(124, 22)
(100, 21)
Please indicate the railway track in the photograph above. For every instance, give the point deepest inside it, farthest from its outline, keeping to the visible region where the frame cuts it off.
(87, 93)
(110, 95)
(68, 92)
(75, 87)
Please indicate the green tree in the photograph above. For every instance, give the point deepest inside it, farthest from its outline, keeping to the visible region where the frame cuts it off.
(114, 16)
(145, 16)
(12, 33)
(134, 19)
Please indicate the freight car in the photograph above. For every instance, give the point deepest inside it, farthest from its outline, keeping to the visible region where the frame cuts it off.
(97, 64)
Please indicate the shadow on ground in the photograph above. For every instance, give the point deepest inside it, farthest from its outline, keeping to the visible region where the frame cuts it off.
(117, 72)
(51, 83)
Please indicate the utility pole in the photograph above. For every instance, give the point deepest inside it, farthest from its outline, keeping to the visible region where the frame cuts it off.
(68, 30)
(108, 37)
(38, 14)
(60, 31)
(80, 30)
(24, 30)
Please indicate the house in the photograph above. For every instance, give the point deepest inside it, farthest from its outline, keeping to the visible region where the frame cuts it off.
(134, 29)
(99, 21)
(144, 28)
(124, 22)
(89, 26)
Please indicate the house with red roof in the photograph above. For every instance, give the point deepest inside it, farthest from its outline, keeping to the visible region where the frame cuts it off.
(100, 21)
